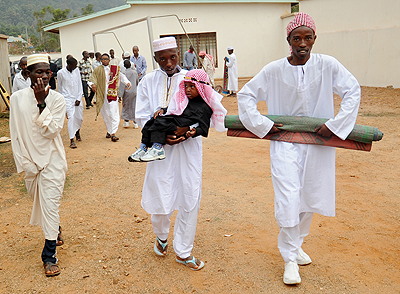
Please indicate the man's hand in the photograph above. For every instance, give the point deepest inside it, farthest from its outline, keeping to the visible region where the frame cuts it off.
(140, 74)
(323, 131)
(94, 88)
(40, 91)
(128, 86)
(77, 102)
(157, 113)
(190, 133)
(180, 131)
(172, 139)
(274, 129)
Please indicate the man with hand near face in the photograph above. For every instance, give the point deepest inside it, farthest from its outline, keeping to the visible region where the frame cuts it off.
(36, 119)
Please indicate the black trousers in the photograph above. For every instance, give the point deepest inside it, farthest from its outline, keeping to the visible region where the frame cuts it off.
(49, 251)
(88, 98)
(156, 130)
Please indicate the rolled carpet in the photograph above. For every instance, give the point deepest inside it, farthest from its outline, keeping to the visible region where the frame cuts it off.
(305, 124)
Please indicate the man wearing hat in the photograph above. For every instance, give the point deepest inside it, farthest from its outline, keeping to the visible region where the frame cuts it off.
(37, 117)
(126, 56)
(175, 182)
(233, 84)
(303, 175)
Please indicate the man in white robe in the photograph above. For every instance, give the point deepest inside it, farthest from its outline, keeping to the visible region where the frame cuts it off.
(175, 182)
(303, 175)
(100, 82)
(233, 82)
(21, 79)
(70, 86)
(208, 65)
(37, 117)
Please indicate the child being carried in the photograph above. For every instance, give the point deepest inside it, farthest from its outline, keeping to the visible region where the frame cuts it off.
(196, 103)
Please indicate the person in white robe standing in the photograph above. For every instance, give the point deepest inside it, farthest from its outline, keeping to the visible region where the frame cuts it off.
(233, 82)
(207, 62)
(21, 79)
(303, 176)
(70, 86)
(37, 117)
(175, 182)
(105, 83)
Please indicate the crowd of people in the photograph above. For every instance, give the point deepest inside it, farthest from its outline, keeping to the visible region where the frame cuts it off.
(175, 106)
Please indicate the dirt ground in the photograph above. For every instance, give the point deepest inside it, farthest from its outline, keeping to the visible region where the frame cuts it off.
(109, 239)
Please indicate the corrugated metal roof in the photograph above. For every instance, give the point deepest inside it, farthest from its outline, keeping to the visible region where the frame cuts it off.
(56, 25)
(206, 1)
(12, 39)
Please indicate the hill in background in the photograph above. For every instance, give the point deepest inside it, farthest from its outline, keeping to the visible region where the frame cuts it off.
(16, 16)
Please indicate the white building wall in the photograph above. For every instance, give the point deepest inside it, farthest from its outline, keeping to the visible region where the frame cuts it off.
(362, 35)
(255, 30)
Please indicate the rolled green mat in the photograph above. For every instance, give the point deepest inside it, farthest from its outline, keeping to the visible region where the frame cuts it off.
(360, 133)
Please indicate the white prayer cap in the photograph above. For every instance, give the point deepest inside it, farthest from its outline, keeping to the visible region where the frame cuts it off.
(164, 43)
(91, 51)
(230, 48)
(37, 58)
(127, 54)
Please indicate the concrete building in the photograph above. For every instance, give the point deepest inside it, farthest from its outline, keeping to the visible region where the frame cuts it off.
(360, 34)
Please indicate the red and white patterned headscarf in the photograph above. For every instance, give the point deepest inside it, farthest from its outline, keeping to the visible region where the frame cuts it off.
(301, 19)
(180, 101)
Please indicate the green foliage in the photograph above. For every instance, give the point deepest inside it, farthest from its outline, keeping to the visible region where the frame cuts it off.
(88, 9)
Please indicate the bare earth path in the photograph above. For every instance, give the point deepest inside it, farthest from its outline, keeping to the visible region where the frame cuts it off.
(109, 239)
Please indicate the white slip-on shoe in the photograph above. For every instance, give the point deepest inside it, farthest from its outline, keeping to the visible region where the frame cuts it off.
(291, 275)
(303, 258)
(135, 125)
(153, 154)
(135, 157)
(126, 124)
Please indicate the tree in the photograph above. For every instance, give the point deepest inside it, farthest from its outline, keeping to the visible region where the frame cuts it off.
(48, 41)
(87, 10)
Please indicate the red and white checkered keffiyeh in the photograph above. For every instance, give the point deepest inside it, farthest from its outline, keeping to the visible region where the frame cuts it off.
(301, 19)
(180, 101)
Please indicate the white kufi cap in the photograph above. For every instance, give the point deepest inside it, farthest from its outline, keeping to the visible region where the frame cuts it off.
(164, 43)
(37, 58)
(127, 54)
(230, 48)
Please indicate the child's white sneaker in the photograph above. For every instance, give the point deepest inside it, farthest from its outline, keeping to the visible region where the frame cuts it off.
(136, 155)
(126, 124)
(153, 154)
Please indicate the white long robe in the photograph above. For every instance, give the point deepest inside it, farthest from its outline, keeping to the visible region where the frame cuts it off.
(175, 181)
(208, 68)
(233, 82)
(20, 83)
(39, 152)
(70, 86)
(303, 175)
(110, 110)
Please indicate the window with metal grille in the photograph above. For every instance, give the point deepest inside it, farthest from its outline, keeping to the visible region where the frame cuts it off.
(201, 42)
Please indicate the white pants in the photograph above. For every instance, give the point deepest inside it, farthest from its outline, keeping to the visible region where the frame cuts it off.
(184, 229)
(290, 239)
(110, 113)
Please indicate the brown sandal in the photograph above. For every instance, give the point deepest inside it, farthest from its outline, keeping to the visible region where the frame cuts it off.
(47, 266)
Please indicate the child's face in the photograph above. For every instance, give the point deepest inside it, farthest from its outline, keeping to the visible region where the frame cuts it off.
(190, 90)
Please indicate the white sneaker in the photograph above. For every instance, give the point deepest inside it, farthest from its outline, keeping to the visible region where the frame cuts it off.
(153, 154)
(135, 126)
(136, 155)
(126, 124)
(303, 258)
(291, 275)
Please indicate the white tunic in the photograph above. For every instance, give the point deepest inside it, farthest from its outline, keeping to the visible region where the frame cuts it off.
(20, 83)
(39, 152)
(70, 86)
(175, 181)
(233, 83)
(303, 175)
(208, 68)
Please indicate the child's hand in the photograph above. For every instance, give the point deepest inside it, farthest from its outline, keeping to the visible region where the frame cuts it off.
(191, 133)
(157, 113)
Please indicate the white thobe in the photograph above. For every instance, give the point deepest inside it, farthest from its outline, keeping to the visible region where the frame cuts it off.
(20, 83)
(208, 68)
(303, 175)
(175, 182)
(39, 152)
(70, 86)
(110, 109)
(233, 83)
(123, 68)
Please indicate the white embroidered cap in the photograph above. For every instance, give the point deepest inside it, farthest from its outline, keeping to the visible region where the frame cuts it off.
(127, 54)
(164, 43)
(230, 48)
(37, 58)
